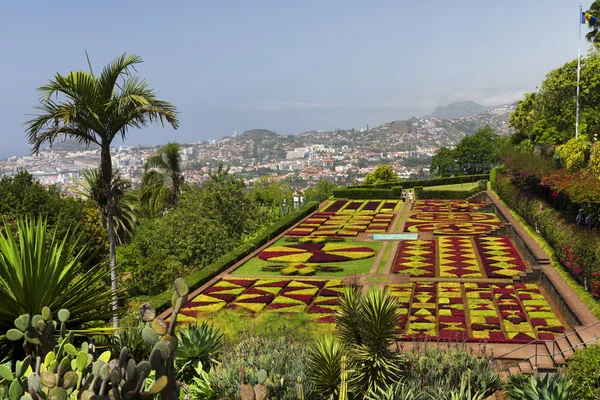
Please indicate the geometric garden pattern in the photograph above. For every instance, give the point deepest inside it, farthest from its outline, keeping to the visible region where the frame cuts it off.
(458, 286)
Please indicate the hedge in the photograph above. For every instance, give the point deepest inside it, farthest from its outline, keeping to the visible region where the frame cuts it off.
(366, 194)
(163, 300)
(421, 194)
(425, 182)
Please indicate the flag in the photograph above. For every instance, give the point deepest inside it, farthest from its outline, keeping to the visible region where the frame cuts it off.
(588, 19)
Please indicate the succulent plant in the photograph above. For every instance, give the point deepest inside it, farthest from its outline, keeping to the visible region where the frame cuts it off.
(55, 369)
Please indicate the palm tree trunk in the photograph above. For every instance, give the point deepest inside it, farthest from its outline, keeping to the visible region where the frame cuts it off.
(106, 168)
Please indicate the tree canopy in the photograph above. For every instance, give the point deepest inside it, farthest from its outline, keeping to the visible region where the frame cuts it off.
(474, 154)
(383, 173)
(548, 116)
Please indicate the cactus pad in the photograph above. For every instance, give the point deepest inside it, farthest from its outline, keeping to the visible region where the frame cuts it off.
(181, 287)
(149, 336)
(58, 393)
(70, 380)
(63, 315)
(48, 379)
(14, 335)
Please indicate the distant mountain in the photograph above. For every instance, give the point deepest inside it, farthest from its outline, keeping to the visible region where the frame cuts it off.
(460, 109)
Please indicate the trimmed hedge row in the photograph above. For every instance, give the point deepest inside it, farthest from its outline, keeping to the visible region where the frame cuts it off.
(421, 194)
(163, 300)
(425, 182)
(367, 194)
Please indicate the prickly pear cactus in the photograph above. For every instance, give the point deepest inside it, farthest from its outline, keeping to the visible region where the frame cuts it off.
(58, 370)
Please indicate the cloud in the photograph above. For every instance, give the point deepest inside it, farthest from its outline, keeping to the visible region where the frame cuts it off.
(289, 105)
(489, 97)
(286, 105)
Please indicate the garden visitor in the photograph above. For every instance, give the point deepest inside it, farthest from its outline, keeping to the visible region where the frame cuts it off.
(588, 220)
(410, 196)
(403, 195)
(579, 218)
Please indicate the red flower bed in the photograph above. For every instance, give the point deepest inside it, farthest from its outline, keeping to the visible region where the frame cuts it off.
(499, 257)
(415, 258)
(371, 206)
(335, 207)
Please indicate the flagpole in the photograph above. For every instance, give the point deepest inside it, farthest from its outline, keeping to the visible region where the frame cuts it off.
(578, 76)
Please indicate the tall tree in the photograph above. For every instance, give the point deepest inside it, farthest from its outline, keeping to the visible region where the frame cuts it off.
(97, 109)
(155, 192)
(477, 152)
(443, 163)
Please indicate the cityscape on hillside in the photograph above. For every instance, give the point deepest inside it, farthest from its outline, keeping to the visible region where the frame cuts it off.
(341, 156)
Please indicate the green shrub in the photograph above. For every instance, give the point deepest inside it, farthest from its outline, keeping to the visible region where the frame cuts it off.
(493, 174)
(583, 368)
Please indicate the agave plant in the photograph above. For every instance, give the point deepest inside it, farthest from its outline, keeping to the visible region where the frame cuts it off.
(555, 387)
(39, 269)
(325, 365)
(198, 346)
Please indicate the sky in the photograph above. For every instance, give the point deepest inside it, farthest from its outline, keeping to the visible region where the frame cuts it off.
(287, 66)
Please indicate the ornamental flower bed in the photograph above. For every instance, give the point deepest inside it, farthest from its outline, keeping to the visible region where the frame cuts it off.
(448, 228)
(422, 316)
(267, 295)
(475, 312)
(458, 258)
(344, 224)
(315, 253)
(499, 256)
(415, 258)
(447, 206)
(452, 223)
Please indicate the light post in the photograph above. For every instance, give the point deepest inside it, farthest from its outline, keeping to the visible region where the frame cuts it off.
(296, 200)
(284, 206)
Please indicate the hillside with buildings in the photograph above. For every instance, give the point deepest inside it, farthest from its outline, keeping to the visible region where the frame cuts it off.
(343, 156)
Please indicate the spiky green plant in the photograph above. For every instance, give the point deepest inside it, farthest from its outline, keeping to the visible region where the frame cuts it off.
(325, 365)
(366, 325)
(37, 269)
(199, 344)
(555, 387)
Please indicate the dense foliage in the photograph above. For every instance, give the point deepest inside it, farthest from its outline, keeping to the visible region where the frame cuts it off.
(383, 173)
(474, 154)
(206, 224)
(583, 371)
(547, 117)
(40, 267)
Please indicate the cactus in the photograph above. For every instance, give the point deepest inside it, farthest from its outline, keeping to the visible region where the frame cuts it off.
(299, 389)
(61, 371)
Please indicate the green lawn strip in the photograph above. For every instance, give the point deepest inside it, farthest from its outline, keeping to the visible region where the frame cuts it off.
(585, 296)
(385, 258)
(233, 323)
(254, 266)
(376, 279)
(456, 186)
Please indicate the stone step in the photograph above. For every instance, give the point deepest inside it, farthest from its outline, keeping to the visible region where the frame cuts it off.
(526, 367)
(563, 346)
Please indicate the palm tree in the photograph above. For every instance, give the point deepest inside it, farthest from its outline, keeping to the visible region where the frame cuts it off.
(92, 188)
(154, 190)
(593, 36)
(97, 109)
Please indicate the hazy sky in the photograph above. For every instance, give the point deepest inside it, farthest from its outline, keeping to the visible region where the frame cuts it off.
(288, 66)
